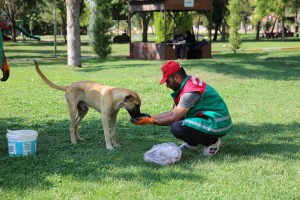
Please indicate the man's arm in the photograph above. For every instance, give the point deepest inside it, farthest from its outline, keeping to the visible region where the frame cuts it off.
(166, 114)
(187, 101)
(175, 115)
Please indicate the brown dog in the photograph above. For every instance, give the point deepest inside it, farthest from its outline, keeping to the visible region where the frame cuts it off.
(104, 99)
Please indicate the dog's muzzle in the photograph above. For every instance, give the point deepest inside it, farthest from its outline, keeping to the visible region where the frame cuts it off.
(134, 113)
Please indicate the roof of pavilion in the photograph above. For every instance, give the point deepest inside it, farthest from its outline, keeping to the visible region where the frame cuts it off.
(169, 5)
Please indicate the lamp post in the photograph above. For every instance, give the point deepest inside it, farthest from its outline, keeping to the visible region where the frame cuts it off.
(55, 27)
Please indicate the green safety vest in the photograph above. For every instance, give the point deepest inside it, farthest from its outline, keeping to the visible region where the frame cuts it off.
(210, 114)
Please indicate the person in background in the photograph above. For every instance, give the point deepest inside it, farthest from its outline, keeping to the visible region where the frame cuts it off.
(200, 115)
(177, 36)
(178, 40)
(190, 40)
(188, 44)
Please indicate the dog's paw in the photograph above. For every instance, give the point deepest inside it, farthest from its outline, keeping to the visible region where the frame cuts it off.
(80, 138)
(74, 141)
(110, 147)
(116, 145)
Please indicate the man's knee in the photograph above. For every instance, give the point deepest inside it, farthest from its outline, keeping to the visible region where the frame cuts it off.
(176, 128)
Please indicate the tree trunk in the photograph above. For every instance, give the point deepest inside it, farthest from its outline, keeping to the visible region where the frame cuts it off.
(64, 27)
(282, 29)
(13, 30)
(223, 36)
(216, 32)
(224, 22)
(145, 22)
(273, 26)
(12, 18)
(73, 33)
(257, 30)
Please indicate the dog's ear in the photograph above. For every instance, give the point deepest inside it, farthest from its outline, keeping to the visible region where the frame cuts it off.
(128, 98)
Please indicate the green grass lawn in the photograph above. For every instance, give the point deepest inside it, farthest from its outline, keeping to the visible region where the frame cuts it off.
(260, 159)
(45, 48)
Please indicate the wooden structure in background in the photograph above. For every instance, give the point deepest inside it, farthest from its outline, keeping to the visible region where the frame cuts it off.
(163, 51)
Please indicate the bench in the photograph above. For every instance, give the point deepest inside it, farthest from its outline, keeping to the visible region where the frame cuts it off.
(121, 39)
(201, 50)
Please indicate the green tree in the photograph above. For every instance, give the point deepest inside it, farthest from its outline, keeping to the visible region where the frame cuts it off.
(61, 13)
(258, 14)
(17, 9)
(224, 17)
(234, 20)
(85, 14)
(265, 7)
(246, 12)
(160, 27)
(294, 6)
(183, 21)
(217, 17)
(101, 37)
(145, 19)
(219, 22)
(120, 13)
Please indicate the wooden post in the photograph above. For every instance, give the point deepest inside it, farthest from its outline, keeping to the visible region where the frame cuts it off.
(55, 28)
(165, 21)
(210, 25)
(129, 26)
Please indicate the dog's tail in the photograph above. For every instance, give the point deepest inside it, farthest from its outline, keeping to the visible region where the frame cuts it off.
(46, 80)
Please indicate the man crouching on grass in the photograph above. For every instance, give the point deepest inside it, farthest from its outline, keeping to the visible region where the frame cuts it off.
(200, 115)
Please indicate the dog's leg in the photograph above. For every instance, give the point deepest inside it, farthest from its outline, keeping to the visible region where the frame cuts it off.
(82, 111)
(104, 120)
(113, 122)
(72, 112)
(73, 126)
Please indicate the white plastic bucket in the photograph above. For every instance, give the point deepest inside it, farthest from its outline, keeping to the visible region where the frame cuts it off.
(21, 142)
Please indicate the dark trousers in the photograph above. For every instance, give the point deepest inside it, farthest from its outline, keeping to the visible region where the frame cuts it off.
(192, 136)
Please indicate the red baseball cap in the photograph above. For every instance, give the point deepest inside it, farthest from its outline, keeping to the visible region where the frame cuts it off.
(168, 69)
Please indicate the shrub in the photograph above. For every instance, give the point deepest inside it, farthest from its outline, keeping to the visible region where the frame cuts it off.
(102, 23)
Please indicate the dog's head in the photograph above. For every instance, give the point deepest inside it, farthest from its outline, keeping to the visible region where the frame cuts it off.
(132, 104)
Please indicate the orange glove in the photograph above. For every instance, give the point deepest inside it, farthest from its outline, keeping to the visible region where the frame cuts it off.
(5, 71)
(143, 120)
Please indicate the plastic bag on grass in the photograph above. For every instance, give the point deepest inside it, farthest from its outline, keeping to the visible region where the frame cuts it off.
(163, 154)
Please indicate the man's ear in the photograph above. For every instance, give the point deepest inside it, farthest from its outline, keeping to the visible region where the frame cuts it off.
(177, 77)
(128, 98)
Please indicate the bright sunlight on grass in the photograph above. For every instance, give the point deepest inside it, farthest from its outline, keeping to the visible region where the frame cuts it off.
(260, 159)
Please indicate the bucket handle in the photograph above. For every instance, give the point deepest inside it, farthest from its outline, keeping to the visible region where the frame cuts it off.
(18, 133)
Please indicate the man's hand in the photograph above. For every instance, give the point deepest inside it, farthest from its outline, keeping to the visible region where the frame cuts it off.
(5, 71)
(143, 120)
(144, 115)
